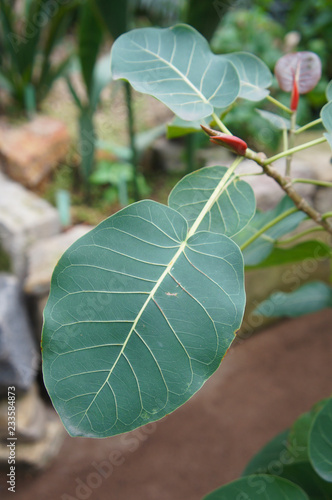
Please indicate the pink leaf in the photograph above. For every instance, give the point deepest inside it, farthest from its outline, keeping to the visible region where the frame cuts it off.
(229, 141)
(304, 67)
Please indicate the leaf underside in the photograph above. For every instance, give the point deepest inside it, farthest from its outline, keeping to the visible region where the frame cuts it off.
(138, 318)
(176, 66)
(229, 215)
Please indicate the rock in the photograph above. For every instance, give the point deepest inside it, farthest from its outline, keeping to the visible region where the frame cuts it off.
(268, 192)
(18, 352)
(24, 219)
(44, 255)
(30, 417)
(38, 454)
(30, 151)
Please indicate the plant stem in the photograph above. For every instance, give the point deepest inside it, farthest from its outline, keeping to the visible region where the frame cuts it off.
(225, 181)
(301, 147)
(131, 131)
(220, 124)
(308, 125)
(326, 215)
(268, 226)
(312, 181)
(291, 144)
(285, 139)
(279, 104)
(299, 235)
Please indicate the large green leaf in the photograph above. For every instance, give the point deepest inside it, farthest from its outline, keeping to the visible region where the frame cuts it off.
(176, 66)
(304, 250)
(261, 248)
(259, 487)
(326, 115)
(283, 456)
(320, 442)
(140, 314)
(229, 214)
(255, 76)
(307, 299)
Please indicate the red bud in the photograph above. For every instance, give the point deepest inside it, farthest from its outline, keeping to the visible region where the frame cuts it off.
(295, 96)
(229, 141)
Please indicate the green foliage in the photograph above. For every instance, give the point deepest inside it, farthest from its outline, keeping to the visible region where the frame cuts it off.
(144, 307)
(26, 70)
(305, 300)
(260, 486)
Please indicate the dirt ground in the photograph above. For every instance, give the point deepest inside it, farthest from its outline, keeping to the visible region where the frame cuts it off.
(264, 383)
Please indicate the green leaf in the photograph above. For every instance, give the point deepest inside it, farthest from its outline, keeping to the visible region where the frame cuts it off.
(86, 142)
(111, 173)
(320, 442)
(307, 299)
(326, 115)
(329, 91)
(255, 76)
(277, 121)
(259, 487)
(101, 77)
(229, 214)
(305, 250)
(179, 127)
(268, 455)
(280, 457)
(328, 137)
(176, 66)
(89, 39)
(114, 15)
(140, 314)
(261, 248)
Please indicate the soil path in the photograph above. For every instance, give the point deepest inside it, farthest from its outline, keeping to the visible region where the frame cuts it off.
(264, 383)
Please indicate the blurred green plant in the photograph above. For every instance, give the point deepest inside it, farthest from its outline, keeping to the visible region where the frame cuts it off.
(29, 34)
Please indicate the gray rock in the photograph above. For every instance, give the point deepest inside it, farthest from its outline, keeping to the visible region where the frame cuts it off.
(24, 219)
(43, 257)
(18, 352)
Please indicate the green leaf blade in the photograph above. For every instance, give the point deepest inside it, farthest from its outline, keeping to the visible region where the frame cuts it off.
(259, 487)
(320, 442)
(326, 115)
(176, 66)
(231, 212)
(119, 347)
(255, 76)
(306, 299)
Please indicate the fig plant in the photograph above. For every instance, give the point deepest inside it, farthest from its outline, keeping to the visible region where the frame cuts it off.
(143, 308)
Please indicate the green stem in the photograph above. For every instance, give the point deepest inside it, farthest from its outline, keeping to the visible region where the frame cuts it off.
(225, 181)
(268, 226)
(301, 147)
(291, 144)
(220, 124)
(312, 181)
(326, 215)
(308, 125)
(299, 235)
(277, 103)
(285, 139)
(131, 131)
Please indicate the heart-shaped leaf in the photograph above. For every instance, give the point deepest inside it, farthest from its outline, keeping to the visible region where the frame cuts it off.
(230, 213)
(304, 68)
(176, 66)
(255, 76)
(259, 487)
(320, 442)
(140, 314)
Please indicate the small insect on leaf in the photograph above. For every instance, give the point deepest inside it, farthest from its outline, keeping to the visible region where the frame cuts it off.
(304, 68)
(231, 142)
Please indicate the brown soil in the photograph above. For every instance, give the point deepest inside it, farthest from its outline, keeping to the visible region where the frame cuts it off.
(263, 384)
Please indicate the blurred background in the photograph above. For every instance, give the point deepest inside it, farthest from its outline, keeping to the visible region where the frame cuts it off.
(76, 147)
